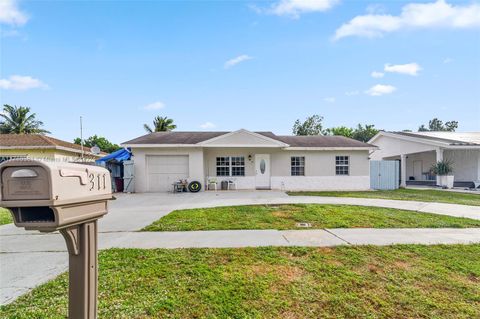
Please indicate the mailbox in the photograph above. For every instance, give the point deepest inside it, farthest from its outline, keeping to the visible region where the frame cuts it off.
(49, 196)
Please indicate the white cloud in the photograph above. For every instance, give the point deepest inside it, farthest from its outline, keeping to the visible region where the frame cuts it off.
(351, 93)
(447, 60)
(377, 75)
(409, 68)
(239, 59)
(154, 106)
(294, 8)
(10, 14)
(330, 99)
(437, 14)
(21, 83)
(207, 125)
(380, 89)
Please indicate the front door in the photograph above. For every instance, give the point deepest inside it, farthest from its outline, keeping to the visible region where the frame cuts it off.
(262, 171)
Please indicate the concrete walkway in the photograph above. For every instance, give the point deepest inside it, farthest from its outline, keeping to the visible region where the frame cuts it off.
(30, 258)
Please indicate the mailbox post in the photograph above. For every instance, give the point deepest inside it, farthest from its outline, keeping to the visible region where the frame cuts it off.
(70, 198)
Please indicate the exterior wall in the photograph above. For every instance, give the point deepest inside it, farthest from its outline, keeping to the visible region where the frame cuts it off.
(196, 166)
(45, 154)
(466, 164)
(319, 169)
(243, 182)
(390, 147)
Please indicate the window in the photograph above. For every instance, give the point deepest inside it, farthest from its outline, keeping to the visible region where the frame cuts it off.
(223, 166)
(341, 165)
(231, 166)
(238, 166)
(297, 165)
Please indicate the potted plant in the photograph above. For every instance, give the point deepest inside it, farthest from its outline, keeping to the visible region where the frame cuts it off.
(443, 170)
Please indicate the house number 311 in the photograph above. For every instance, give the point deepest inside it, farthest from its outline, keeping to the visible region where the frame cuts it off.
(98, 181)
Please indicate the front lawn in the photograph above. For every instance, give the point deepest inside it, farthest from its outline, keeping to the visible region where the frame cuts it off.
(428, 195)
(5, 216)
(287, 216)
(405, 281)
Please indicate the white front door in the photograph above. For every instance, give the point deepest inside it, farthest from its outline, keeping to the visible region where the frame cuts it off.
(262, 171)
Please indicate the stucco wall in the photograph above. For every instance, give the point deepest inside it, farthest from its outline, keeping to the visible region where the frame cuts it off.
(196, 167)
(466, 164)
(45, 154)
(319, 169)
(320, 163)
(389, 147)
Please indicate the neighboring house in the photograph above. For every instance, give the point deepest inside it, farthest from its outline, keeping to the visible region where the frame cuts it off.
(36, 146)
(253, 160)
(418, 152)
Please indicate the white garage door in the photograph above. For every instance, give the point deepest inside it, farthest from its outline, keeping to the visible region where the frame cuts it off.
(164, 170)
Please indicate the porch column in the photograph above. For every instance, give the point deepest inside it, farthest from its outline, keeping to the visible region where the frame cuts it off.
(403, 170)
(439, 154)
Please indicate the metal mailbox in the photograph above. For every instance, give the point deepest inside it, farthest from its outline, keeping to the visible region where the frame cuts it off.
(50, 196)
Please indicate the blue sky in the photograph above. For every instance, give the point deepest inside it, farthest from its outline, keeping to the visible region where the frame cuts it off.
(240, 64)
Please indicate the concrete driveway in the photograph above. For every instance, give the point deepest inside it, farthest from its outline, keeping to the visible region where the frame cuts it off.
(29, 259)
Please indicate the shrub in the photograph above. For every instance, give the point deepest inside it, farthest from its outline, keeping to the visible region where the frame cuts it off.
(442, 168)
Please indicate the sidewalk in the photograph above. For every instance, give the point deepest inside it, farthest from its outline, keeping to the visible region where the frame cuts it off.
(29, 259)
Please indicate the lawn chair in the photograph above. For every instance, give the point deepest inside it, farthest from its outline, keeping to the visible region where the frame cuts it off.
(212, 181)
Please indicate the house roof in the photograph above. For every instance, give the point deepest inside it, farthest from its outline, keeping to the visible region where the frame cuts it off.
(192, 138)
(446, 138)
(32, 141)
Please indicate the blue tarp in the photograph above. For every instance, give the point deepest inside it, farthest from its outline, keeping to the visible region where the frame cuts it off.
(121, 155)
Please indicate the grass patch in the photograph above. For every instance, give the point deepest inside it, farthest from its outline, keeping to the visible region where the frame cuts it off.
(404, 281)
(286, 217)
(429, 195)
(5, 216)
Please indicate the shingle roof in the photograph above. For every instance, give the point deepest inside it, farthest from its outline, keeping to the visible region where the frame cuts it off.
(174, 137)
(37, 140)
(451, 138)
(293, 141)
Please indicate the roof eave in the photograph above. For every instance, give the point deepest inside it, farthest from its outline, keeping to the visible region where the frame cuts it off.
(334, 148)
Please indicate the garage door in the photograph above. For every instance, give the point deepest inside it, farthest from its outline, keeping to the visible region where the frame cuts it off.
(164, 170)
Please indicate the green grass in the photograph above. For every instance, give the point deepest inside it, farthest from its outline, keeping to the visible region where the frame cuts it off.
(404, 281)
(429, 195)
(286, 217)
(5, 216)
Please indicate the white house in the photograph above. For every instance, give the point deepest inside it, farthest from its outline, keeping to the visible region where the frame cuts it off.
(418, 152)
(253, 160)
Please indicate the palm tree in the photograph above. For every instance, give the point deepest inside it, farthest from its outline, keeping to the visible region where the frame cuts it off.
(19, 120)
(160, 124)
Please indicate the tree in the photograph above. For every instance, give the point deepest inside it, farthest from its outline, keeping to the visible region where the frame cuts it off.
(364, 133)
(311, 126)
(340, 131)
(437, 125)
(104, 144)
(19, 120)
(160, 124)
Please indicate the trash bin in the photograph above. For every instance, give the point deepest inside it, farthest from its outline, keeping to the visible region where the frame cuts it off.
(224, 185)
(119, 184)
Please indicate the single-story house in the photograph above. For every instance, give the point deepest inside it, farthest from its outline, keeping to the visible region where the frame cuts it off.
(419, 151)
(253, 160)
(36, 146)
